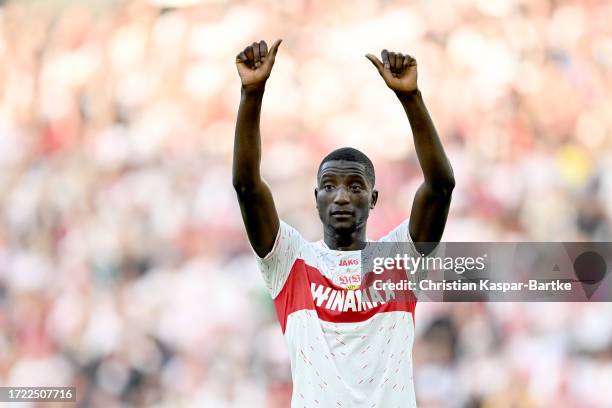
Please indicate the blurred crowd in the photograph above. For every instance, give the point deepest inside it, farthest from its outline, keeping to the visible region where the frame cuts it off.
(124, 266)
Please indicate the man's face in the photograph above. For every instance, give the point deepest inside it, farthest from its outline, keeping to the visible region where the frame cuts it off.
(344, 196)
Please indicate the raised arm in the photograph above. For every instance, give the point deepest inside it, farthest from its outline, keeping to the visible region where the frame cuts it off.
(254, 65)
(432, 200)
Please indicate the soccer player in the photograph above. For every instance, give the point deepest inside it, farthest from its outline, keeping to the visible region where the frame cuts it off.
(345, 352)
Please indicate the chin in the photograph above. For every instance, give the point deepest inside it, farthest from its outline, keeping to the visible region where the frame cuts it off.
(344, 227)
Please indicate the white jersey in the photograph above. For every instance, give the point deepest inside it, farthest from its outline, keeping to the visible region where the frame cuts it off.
(344, 352)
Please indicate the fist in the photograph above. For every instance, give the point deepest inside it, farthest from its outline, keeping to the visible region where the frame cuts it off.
(255, 63)
(398, 70)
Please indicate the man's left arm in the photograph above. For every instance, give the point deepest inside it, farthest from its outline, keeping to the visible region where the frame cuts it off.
(432, 200)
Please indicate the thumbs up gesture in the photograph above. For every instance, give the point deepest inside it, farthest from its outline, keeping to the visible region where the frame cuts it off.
(399, 71)
(255, 63)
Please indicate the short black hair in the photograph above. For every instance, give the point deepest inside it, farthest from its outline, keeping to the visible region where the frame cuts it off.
(354, 155)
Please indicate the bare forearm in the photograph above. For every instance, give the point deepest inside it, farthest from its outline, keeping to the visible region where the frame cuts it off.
(259, 214)
(432, 158)
(432, 199)
(247, 139)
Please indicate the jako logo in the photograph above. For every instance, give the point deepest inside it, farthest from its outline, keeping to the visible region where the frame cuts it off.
(349, 262)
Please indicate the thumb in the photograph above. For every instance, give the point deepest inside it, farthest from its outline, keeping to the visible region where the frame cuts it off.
(274, 48)
(377, 63)
(271, 57)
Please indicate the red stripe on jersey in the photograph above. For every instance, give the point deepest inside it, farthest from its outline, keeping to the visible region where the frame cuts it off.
(331, 302)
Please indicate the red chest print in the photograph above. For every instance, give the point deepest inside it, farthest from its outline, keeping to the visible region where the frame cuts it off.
(348, 279)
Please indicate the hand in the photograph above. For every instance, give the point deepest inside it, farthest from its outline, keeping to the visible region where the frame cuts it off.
(398, 70)
(255, 63)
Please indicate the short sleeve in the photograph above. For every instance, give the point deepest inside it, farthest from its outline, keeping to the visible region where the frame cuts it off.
(401, 234)
(276, 265)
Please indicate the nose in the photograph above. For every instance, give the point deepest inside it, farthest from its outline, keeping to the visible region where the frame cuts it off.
(342, 196)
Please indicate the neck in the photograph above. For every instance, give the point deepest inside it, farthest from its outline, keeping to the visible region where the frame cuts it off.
(344, 241)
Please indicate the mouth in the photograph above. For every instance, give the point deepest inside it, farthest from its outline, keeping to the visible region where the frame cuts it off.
(342, 214)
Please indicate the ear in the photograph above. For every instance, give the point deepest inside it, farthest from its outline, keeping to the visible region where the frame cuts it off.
(374, 199)
(316, 191)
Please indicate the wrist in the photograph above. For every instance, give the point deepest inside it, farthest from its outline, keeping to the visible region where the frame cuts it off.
(408, 96)
(253, 89)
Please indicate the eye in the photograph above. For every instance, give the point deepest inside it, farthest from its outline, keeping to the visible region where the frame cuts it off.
(356, 188)
(328, 187)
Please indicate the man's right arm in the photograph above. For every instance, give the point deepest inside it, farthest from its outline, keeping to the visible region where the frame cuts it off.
(259, 214)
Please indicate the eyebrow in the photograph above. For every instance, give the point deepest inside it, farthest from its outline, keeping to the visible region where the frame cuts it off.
(352, 178)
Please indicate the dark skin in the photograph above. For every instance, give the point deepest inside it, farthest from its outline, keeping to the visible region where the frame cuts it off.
(344, 195)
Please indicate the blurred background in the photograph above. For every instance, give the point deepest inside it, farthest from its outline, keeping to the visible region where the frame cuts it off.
(124, 266)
